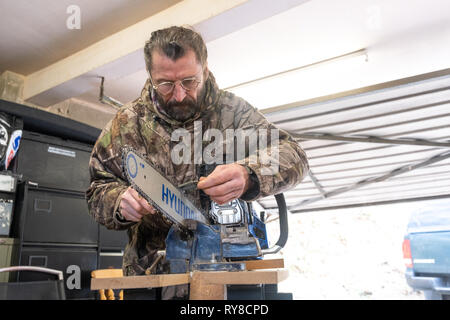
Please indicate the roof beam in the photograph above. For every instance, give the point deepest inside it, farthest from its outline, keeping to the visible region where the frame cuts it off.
(317, 183)
(122, 43)
(368, 139)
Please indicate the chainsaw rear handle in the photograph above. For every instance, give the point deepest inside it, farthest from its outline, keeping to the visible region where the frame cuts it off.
(284, 229)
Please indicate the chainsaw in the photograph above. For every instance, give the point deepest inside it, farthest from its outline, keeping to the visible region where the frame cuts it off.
(211, 238)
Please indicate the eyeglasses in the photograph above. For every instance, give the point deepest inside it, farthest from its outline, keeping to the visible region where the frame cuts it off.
(167, 87)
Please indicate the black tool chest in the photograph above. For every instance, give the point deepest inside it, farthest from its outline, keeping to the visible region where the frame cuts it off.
(50, 218)
(54, 227)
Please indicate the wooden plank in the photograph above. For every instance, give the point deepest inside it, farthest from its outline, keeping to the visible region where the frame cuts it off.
(135, 282)
(263, 264)
(243, 277)
(107, 273)
(206, 284)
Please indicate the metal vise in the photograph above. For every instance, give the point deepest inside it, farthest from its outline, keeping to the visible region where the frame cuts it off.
(238, 234)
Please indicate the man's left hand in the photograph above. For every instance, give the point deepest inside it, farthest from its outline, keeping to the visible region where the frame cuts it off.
(227, 182)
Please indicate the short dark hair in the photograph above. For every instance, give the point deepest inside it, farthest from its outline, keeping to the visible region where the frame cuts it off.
(174, 42)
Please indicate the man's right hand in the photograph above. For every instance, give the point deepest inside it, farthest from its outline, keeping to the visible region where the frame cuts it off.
(133, 207)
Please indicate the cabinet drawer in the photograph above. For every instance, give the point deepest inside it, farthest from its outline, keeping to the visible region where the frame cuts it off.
(57, 217)
(75, 263)
(53, 162)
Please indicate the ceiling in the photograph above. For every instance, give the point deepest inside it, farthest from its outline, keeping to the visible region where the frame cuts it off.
(35, 34)
(383, 144)
(251, 46)
(401, 37)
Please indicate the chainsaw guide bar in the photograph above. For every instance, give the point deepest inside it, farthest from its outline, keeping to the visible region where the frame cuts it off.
(172, 202)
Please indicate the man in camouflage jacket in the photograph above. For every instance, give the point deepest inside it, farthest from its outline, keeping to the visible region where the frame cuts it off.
(176, 61)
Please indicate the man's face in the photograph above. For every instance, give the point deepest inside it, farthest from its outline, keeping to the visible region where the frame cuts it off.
(180, 104)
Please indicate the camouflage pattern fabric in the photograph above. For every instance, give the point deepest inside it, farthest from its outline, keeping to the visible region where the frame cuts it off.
(145, 128)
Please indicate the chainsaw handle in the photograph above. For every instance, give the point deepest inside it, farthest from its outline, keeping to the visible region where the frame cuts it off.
(284, 228)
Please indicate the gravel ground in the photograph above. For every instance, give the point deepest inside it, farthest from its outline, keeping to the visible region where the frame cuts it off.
(351, 254)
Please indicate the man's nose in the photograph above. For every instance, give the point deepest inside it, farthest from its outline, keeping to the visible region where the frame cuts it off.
(179, 93)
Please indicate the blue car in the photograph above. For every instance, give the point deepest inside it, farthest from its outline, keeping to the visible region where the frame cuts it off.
(426, 251)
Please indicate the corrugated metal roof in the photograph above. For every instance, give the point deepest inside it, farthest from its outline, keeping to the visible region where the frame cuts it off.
(379, 144)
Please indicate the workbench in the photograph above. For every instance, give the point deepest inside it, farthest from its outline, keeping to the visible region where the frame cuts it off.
(204, 285)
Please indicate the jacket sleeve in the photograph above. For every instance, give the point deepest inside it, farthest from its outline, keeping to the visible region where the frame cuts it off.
(277, 161)
(107, 180)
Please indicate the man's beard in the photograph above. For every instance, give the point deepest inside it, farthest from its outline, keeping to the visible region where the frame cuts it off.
(184, 110)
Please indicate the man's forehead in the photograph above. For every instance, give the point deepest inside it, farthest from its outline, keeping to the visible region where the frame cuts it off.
(165, 68)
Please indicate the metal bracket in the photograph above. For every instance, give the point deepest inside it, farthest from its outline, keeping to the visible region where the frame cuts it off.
(108, 100)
